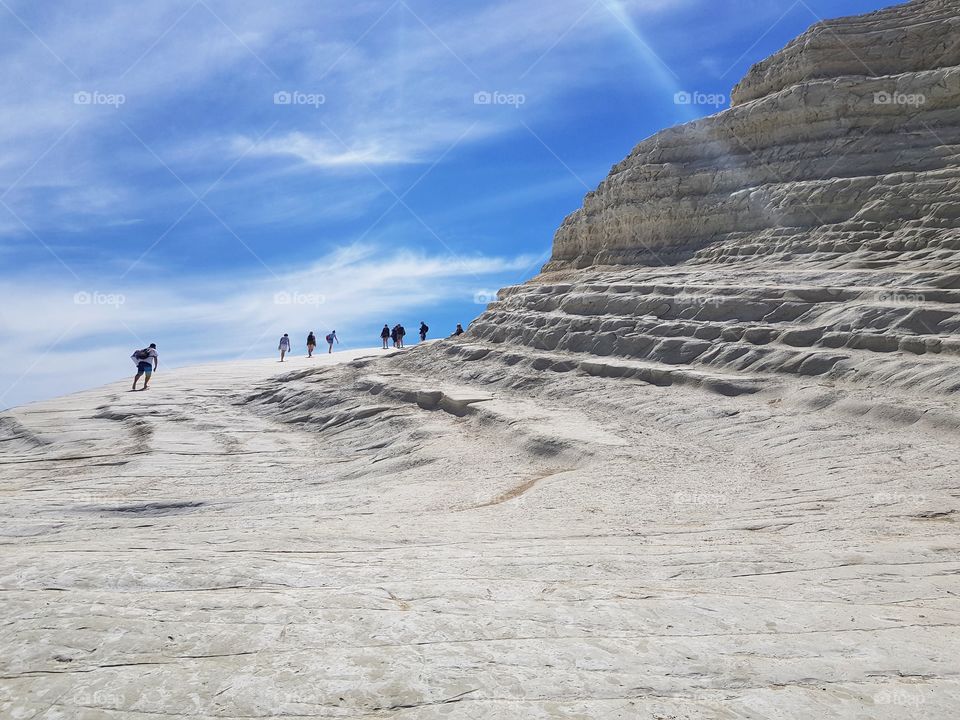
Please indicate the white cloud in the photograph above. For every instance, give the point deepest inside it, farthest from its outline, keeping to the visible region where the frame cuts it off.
(201, 94)
(223, 317)
(319, 152)
(403, 93)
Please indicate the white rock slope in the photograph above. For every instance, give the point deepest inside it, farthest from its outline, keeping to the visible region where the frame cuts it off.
(703, 466)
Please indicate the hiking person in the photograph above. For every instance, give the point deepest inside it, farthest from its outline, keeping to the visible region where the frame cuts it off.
(311, 343)
(146, 361)
(393, 336)
(401, 331)
(424, 329)
(459, 330)
(284, 346)
(385, 335)
(331, 338)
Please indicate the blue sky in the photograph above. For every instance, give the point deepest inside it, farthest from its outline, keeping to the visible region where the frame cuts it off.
(208, 174)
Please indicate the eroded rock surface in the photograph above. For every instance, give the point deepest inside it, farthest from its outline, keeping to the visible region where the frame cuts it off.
(703, 466)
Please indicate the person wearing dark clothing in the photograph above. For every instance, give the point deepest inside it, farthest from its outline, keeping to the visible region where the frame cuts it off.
(401, 331)
(393, 336)
(424, 329)
(311, 343)
(385, 335)
(459, 330)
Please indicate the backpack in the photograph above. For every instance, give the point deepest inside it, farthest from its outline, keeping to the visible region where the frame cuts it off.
(142, 354)
(425, 329)
(329, 338)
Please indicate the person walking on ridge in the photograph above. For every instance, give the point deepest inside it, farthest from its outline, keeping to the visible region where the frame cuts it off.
(424, 329)
(311, 343)
(385, 335)
(331, 338)
(401, 331)
(394, 337)
(284, 346)
(146, 361)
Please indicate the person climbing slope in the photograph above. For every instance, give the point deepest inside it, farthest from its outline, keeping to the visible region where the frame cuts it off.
(424, 329)
(284, 346)
(146, 361)
(331, 338)
(311, 343)
(385, 335)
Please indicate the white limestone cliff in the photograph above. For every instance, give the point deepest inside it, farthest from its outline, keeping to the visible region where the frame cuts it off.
(703, 466)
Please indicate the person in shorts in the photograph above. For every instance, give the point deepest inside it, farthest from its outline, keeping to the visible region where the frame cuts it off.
(146, 361)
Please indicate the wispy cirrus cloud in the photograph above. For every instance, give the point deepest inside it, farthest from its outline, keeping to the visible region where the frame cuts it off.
(398, 78)
(324, 153)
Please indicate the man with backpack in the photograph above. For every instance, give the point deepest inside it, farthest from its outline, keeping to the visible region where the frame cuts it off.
(385, 335)
(311, 343)
(146, 361)
(424, 329)
(330, 340)
(401, 331)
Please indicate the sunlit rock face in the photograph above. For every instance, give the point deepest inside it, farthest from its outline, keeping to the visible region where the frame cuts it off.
(703, 466)
(813, 228)
(844, 143)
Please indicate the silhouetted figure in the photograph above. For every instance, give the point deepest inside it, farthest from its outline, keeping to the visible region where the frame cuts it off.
(385, 335)
(424, 329)
(311, 343)
(332, 338)
(459, 330)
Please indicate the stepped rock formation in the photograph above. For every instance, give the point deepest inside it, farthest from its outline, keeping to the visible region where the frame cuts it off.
(702, 466)
(813, 228)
